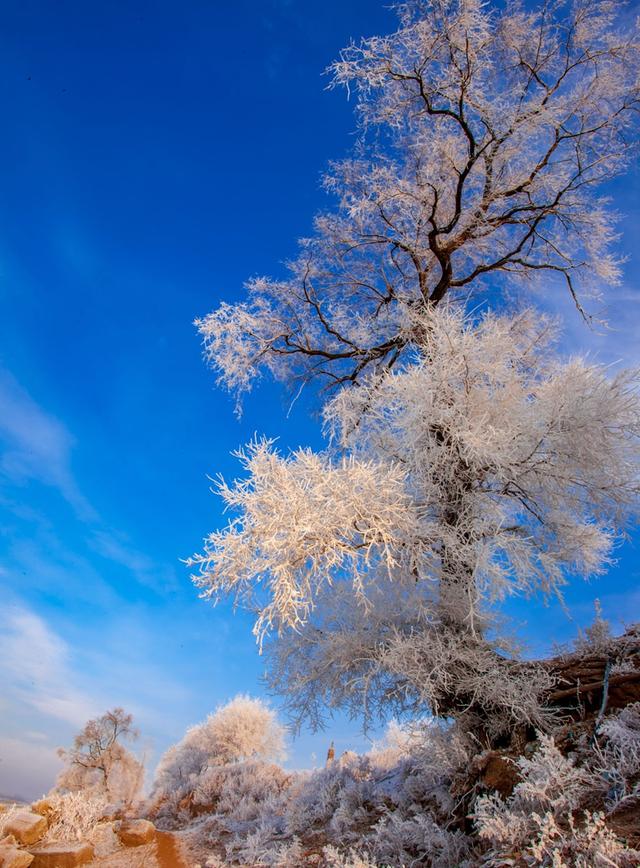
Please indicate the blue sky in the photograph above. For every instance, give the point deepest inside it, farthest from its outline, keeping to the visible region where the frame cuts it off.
(155, 156)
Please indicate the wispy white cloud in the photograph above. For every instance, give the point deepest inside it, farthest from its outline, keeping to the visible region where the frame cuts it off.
(36, 668)
(117, 548)
(55, 683)
(37, 445)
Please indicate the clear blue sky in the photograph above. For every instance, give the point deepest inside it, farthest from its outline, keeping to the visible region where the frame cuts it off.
(154, 156)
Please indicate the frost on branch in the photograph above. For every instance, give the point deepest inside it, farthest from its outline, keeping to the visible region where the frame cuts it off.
(486, 132)
(304, 520)
(482, 468)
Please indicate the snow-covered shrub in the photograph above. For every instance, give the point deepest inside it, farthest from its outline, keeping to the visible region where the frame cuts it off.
(334, 797)
(244, 791)
(177, 776)
(418, 839)
(585, 843)
(6, 816)
(72, 816)
(258, 847)
(333, 858)
(597, 636)
(244, 729)
(618, 759)
(543, 822)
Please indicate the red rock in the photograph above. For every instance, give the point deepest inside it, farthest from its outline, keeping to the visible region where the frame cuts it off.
(26, 826)
(61, 854)
(133, 833)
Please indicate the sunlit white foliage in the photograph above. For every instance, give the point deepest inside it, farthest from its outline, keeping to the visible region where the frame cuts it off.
(483, 468)
(486, 130)
(244, 728)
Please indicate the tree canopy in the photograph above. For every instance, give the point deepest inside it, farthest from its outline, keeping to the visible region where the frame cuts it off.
(486, 133)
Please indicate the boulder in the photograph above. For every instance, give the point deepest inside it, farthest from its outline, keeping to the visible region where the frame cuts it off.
(26, 826)
(12, 857)
(61, 854)
(133, 833)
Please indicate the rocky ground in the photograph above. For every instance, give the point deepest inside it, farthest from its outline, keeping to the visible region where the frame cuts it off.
(127, 843)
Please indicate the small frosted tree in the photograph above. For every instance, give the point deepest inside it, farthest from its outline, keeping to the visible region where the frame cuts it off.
(99, 763)
(243, 729)
(465, 462)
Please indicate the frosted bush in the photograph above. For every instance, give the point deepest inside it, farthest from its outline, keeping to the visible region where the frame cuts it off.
(618, 760)
(245, 791)
(418, 840)
(73, 816)
(255, 848)
(242, 729)
(333, 858)
(542, 822)
(395, 802)
(6, 817)
(589, 844)
(331, 795)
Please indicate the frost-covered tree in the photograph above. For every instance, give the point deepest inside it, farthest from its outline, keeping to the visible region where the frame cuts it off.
(465, 461)
(484, 468)
(99, 763)
(243, 729)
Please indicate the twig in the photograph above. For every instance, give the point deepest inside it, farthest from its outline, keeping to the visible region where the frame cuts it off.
(603, 704)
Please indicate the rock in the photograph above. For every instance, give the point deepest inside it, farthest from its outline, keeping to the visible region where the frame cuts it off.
(133, 833)
(104, 839)
(26, 826)
(11, 857)
(500, 773)
(61, 854)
